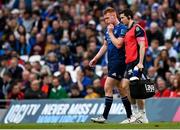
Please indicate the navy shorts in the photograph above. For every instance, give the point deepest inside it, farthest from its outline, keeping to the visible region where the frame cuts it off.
(116, 70)
(129, 69)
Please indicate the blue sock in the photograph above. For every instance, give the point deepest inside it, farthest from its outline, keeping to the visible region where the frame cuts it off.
(127, 106)
(108, 103)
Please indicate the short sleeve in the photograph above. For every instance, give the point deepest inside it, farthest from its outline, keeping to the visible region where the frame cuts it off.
(121, 31)
(139, 32)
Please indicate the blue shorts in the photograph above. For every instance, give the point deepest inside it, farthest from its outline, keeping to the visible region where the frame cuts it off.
(129, 69)
(116, 70)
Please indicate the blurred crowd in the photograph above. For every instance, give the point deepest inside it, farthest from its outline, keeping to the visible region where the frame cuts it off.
(41, 39)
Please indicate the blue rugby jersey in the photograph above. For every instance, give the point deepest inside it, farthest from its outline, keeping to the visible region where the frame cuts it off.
(116, 55)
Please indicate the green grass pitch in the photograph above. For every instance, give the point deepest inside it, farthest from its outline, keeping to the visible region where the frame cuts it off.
(156, 125)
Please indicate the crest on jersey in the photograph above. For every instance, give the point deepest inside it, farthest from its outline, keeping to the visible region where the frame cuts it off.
(123, 31)
(137, 28)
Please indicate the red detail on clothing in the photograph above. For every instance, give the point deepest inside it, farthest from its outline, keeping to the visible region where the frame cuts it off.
(164, 93)
(175, 94)
(131, 44)
(103, 80)
(19, 62)
(10, 96)
(142, 23)
(45, 89)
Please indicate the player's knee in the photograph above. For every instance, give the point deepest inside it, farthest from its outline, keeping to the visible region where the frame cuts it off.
(124, 84)
(123, 88)
(108, 90)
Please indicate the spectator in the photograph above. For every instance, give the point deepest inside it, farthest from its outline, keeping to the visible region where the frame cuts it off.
(39, 69)
(6, 50)
(176, 45)
(152, 74)
(65, 56)
(83, 81)
(50, 45)
(176, 87)
(57, 31)
(21, 30)
(171, 79)
(154, 48)
(75, 92)
(36, 68)
(80, 52)
(15, 93)
(92, 50)
(52, 62)
(23, 48)
(171, 51)
(90, 73)
(169, 30)
(13, 42)
(33, 77)
(27, 20)
(46, 84)
(66, 81)
(37, 19)
(3, 21)
(27, 66)
(177, 27)
(34, 92)
(25, 77)
(7, 83)
(167, 78)
(62, 70)
(161, 63)
(162, 90)
(65, 40)
(173, 65)
(98, 88)
(149, 59)
(32, 39)
(57, 92)
(91, 94)
(38, 48)
(155, 33)
(139, 20)
(3, 65)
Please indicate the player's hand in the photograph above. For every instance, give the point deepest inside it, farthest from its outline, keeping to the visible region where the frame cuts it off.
(110, 28)
(140, 66)
(93, 62)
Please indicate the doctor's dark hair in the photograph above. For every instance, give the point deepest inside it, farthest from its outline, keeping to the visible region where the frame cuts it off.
(127, 12)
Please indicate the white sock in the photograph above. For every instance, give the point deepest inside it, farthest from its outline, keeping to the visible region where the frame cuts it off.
(134, 108)
(143, 113)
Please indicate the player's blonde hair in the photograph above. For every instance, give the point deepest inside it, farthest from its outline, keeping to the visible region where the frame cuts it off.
(109, 10)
